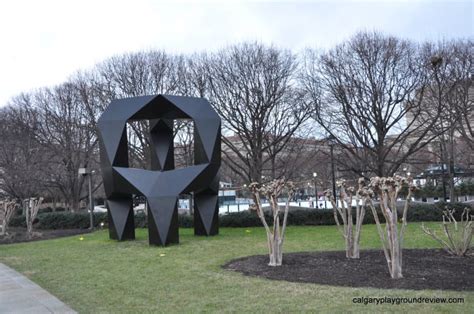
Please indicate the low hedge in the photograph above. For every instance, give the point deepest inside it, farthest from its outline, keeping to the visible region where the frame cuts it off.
(184, 221)
(50, 210)
(66, 220)
(60, 220)
(312, 217)
(298, 217)
(18, 221)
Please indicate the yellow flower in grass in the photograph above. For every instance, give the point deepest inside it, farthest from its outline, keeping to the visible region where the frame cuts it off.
(81, 238)
(248, 231)
(162, 254)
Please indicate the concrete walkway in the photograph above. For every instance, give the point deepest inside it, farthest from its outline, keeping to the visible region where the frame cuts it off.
(18, 294)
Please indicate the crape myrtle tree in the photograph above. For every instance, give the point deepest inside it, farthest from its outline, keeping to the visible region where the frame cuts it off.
(32, 207)
(386, 190)
(252, 87)
(343, 211)
(367, 94)
(7, 209)
(276, 231)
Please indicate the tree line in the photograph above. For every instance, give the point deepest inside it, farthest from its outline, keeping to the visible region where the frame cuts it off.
(380, 100)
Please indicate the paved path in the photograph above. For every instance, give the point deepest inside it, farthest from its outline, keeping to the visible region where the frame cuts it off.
(18, 294)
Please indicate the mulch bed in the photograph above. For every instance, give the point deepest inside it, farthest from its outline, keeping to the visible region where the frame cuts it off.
(422, 269)
(17, 235)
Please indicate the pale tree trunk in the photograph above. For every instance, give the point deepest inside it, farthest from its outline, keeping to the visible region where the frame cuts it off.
(33, 205)
(349, 231)
(276, 234)
(3, 219)
(387, 190)
(7, 210)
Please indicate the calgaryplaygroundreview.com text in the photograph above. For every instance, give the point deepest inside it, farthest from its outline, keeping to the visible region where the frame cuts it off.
(404, 300)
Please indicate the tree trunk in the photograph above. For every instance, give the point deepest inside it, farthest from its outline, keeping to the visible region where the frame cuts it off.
(452, 174)
(273, 163)
(352, 249)
(349, 245)
(396, 270)
(276, 255)
(4, 227)
(450, 162)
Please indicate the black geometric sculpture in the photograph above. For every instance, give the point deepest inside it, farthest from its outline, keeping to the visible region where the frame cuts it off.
(162, 184)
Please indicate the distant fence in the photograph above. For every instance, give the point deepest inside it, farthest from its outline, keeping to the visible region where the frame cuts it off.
(238, 207)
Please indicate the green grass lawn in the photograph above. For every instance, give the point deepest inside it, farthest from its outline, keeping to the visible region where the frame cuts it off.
(100, 275)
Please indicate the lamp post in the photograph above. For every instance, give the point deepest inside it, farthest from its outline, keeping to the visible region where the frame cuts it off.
(436, 62)
(87, 173)
(443, 174)
(333, 173)
(315, 174)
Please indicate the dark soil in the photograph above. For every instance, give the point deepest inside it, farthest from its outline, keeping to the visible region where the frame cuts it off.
(422, 269)
(17, 235)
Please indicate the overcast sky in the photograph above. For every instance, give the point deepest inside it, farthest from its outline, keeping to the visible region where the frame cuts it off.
(43, 42)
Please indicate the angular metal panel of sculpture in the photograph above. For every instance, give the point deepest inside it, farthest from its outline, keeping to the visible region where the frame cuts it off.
(162, 184)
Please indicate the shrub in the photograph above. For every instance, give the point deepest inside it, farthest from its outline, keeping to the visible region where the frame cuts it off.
(18, 221)
(45, 210)
(18, 211)
(296, 217)
(433, 212)
(51, 210)
(458, 234)
(66, 220)
(184, 221)
(241, 219)
(141, 220)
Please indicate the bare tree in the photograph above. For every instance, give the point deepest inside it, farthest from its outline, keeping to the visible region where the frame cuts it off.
(21, 157)
(462, 97)
(195, 81)
(57, 119)
(343, 209)
(450, 87)
(276, 233)
(252, 88)
(367, 93)
(184, 143)
(138, 74)
(387, 191)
